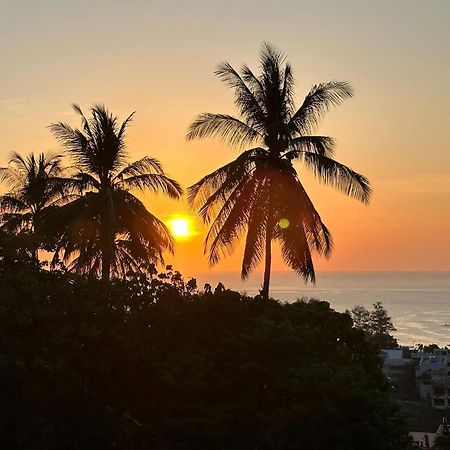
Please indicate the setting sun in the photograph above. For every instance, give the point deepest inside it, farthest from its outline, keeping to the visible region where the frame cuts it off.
(180, 227)
(247, 217)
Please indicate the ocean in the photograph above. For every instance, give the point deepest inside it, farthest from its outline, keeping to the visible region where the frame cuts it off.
(418, 302)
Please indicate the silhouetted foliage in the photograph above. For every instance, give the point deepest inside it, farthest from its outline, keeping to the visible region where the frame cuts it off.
(427, 348)
(377, 324)
(16, 249)
(442, 442)
(152, 363)
(107, 230)
(260, 193)
(36, 187)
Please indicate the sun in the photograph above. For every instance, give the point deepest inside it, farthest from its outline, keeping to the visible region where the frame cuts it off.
(180, 227)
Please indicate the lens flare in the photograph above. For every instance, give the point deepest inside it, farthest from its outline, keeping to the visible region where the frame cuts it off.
(284, 223)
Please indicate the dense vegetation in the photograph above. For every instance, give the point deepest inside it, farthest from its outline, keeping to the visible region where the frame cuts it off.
(86, 214)
(377, 325)
(154, 363)
(442, 442)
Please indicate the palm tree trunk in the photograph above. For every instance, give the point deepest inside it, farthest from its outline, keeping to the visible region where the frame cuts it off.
(106, 264)
(107, 235)
(107, 239)
(267, 264)
(35, 255)
(34, 246)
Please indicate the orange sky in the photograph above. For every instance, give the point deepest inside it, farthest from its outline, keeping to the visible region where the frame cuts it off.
(158, 58)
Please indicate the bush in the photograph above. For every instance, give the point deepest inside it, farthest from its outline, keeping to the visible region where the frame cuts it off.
(153, 363)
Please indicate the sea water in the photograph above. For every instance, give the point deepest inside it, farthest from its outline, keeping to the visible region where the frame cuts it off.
(418, 302)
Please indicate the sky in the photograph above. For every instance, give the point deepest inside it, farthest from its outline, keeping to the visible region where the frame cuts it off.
(158, 57)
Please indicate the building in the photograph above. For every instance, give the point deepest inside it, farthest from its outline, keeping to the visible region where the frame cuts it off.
(423, 439)
(433, 378)
(429, 371)
(396, 365)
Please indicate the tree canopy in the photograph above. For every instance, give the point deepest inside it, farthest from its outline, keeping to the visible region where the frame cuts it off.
(153, 363)
(377, 324)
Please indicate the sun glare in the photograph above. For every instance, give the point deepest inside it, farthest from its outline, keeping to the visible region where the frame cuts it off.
(180, 227)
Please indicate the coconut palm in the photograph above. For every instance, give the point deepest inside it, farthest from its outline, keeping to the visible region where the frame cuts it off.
(35, 186)
(107, 230)
(260, 193)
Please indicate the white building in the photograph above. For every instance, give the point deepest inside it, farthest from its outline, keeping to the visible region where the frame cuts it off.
(433, 378)
(432, 373)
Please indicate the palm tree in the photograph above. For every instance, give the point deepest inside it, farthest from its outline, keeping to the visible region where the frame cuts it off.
(107, 230)
(35, 187)
(260, 191)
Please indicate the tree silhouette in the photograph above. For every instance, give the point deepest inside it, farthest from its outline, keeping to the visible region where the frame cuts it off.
(107, 230)
(442, 442)
(260, 192)
(35, 186)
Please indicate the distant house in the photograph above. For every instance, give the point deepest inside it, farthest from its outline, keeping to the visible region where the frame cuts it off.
(433, 378)
(397, 364)
(422, 440)
(432, 373)
(426, 440)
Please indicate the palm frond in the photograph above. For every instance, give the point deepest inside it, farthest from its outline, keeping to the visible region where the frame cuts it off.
(254, 84)
(290, 201)
(140, 167)
(246, 100)
(277, 82)
(287, 92)
(123, 127)
(270, 57)
(11, 177)
(99, 145)
(109, 148)
(322, 145)
(305, 232)
(139, 238)
(296, 252)
(155, 182)
(11, 203)
(318, 101)
(22, 163)
(16, 222)
(256, 233)
(229, 129)
(80, 182)
(216, 185)
(134, 219)
(84, 121)
(77, 144)
(335, 174)
(231, 219)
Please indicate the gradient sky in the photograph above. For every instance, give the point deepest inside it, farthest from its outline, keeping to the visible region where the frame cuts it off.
(158, 58)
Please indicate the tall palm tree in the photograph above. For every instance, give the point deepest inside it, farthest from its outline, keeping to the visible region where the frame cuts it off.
(260, 192)
(107, 230)
(35, 186)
